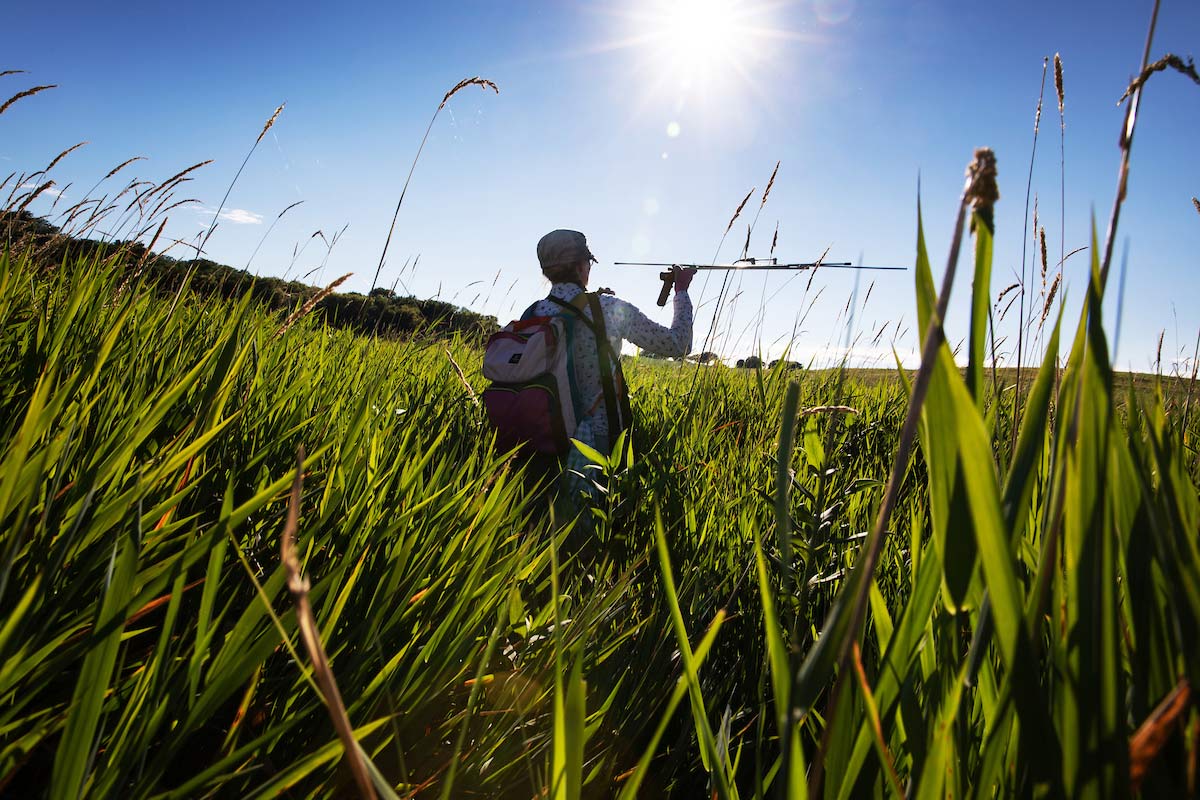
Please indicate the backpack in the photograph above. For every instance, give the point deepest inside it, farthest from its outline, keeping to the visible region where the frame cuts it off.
(532, 402)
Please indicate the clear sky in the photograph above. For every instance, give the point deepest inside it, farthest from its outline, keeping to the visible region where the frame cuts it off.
(642, 124)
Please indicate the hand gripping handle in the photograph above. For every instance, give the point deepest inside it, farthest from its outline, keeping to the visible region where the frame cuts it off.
(668, 279)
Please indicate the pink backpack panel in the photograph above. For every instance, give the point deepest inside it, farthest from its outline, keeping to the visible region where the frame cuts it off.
(529, 402)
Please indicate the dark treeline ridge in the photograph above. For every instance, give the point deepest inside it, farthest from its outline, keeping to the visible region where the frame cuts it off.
(382, 312)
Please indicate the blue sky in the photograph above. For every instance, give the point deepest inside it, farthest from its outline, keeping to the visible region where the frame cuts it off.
(635, 123)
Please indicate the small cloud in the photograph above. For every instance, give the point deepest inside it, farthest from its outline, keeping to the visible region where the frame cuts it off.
(238, 216)
(51, 191)
(48, 192)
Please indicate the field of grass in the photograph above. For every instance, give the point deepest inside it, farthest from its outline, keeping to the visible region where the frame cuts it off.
(246, 554)
(1028, 617)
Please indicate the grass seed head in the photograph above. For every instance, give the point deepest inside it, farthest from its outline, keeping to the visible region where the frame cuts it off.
(464, 83)
(1196, 203)
(1050, 297)
(178, 175)
(289, 208)
(310, 305)
(33, 195)
(122, 166)
(270, 122)
(738, 213)
(770, 183)
(1037, 117)
(24, 94)
(982, 191)
(1042, 234)
(1058, 82)
(1171, 60)
(1004, 292)
(1035, 215)
(775, 238)
(63, 155)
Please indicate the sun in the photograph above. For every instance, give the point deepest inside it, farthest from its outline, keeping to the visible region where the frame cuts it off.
(699, 37)
(711, 54)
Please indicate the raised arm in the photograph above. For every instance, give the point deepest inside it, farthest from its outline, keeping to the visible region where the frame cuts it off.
(647, 334)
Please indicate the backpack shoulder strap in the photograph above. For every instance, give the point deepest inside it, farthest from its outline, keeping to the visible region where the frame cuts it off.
(616, 407)
(616, 404)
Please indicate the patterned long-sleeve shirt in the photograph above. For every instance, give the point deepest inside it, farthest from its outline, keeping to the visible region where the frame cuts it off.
(622, 321)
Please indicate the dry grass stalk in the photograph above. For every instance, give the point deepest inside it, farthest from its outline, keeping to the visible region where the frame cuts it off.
(289, 208)
(8, 72)
(746, 246)
(1171, 60)
(270, 228)
(1023, 321)
(299, 586)
(1158, 354)
(122, 166)
(137, 270)
(1152, 735)
(738, 212)
(1068, 255)
(1196, 203)
(879, 335)
(33, 195)
(212, 227)
(1011, 300)
(1058, 82)
(775, 238)
(139, 198)
(770, 183)
(178, 175)
(876, 725)
(131, 186)
(980, 186)
(476, 81)
(168, 188)
(60, 196)
(1037, 117)
(8, 201)
(63, 155)
(1043, 238)
(808, 412)
(270, 122)
(310, 305)
(1004, 292)
(166, 198)
(464, 83)
(1050, 297)
(24, 94)
(816, 266)
(982, 191)
(175, 205)
(463, 378)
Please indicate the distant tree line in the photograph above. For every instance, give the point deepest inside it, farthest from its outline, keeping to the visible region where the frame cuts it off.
(709, 357)
(754, 362)
(381, 312)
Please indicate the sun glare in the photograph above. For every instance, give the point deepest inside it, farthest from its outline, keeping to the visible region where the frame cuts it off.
(698, 34)
(713, 53)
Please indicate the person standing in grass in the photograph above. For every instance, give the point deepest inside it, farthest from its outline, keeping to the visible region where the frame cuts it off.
(567, 263)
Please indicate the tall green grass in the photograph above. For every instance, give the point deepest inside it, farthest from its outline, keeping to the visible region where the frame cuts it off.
(150, 646)
(818, 586)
